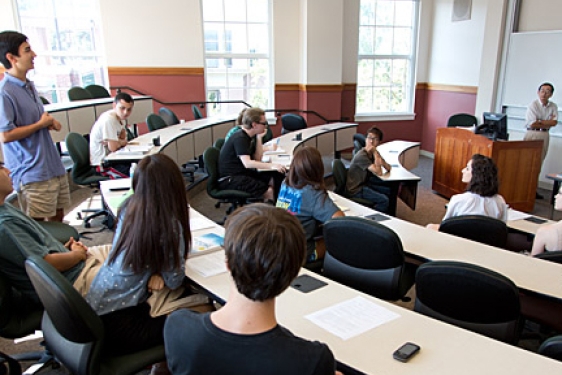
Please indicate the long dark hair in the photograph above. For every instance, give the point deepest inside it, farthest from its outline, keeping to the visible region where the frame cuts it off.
(484, 179)
(307, 168)
(154, 216)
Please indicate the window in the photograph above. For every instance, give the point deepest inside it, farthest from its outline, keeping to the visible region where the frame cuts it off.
(237, 53)
(386, 61)
(66, 36)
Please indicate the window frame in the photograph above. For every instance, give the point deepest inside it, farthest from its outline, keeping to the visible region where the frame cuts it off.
(408, 114)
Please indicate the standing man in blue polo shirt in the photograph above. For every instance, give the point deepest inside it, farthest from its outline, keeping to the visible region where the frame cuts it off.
(36, 169)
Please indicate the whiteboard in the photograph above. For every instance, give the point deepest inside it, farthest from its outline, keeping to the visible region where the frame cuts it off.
(532, 58)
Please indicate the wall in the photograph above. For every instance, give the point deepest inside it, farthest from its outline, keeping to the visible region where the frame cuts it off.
(540, 15)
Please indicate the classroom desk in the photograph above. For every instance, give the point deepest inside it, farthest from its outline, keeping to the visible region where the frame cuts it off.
(528, 273)
(181, 142)
(519, 223)
(445, 349)
(80, 116)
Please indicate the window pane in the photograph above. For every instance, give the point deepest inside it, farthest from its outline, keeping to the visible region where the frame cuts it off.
(383, 40)
(236, 40)
(402, 41)
(366, 40)
(258, 38)
(404, 15)
(364, 99)
(381, 100)
(385, 13)
(382, 72)
(365, 73)
(212, 10)
(234, 10)
(367, 12)
(258, 11)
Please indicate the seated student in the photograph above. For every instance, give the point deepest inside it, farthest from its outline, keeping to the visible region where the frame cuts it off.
(238, 161)
(481, 197)
(108, 134)
(265, 248)
(303, 194)
(549, 237)
(21, 236)
(149, 252)
(366, 165)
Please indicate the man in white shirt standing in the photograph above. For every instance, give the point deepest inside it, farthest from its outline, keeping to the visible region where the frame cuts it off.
(109, 135)
(542, 115)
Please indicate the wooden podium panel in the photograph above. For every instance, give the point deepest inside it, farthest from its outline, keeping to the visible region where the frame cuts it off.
(518, 162)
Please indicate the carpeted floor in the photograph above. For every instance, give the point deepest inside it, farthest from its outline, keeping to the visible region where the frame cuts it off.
(430, 208)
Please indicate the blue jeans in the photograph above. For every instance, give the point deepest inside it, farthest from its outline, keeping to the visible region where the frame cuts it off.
(380, 200)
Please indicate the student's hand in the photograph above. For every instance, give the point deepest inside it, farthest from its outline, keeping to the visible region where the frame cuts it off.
(261, 135)
(46, 120)
(279, 168)
(123, 134)
(339, 373)
(156, 282)
(77, 247)
(56, 126)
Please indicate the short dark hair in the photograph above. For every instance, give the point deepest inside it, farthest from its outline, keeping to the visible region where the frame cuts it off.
(265, 248)
(10, 42)
(250, 116)
(124, 97)
(546, 84)
(484, 179)
(375, 131)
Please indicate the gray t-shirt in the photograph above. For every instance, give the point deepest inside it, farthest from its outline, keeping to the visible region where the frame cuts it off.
(310, 206)
(358, 171)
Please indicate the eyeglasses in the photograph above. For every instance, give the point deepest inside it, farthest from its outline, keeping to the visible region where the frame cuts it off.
(264, 123)
(372, 138)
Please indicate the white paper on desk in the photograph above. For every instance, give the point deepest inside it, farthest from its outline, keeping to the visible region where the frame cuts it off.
(141, 149)
(516, 215)
(208, 265)
(278, 151)
(352, 318)
(197, 223)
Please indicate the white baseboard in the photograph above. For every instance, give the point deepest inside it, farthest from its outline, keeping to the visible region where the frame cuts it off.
(427, 154)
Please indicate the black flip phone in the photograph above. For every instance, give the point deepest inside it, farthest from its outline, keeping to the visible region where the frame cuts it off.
(406, 351)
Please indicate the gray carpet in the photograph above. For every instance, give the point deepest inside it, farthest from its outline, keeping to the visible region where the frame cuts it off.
(430, 208)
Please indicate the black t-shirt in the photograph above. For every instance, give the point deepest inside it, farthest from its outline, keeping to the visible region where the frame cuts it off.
(194, 345)
(236, 145)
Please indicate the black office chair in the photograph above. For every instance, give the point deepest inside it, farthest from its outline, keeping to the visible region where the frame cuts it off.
(551, 256)
(155, 122)
(462, 119)
(552, 348)
(477, 228)
(339, 173)
(78, 93)
(74, 332)
(291, 122)
(367, 256)
(196, 112)
(44, 100)
(358, 142)
(471, 297)
(15, 322)
(98, 91)
(219, 142)
(168, 116)
(235, 198)
(82, 171)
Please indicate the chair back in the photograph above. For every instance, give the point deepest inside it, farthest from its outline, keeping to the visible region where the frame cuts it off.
(291, 122)
(339, 173)
(196, 112)
(98, 91)
(211, 161)
(366, 256)
(168, 116)
(470, 297)
(552, 348)
(73, 330)
(79, 150)
(358, 142)
(15, 323)
(155, 122)
(71, 327)
(44, 100)
(219, 142)
(78, 93)
(477, 228)
(551, 256)
(462, 119)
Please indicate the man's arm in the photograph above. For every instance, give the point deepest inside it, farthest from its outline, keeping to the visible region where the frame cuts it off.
(534, 122)
(249, 163)
(113, 145)
(376, 167)
(65, 261)
(21, 132)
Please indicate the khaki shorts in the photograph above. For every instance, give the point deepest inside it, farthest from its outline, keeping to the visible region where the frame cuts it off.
(43, 199)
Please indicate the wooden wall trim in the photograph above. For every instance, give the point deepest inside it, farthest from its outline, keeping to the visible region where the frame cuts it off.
(287, 87)
(320, 88)
(451, 88)
(150, 71)
(349, 86)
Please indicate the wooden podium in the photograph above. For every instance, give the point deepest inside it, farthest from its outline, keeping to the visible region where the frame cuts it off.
(518, 162)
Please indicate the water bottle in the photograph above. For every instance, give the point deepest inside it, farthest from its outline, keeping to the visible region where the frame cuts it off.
(132, 170)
